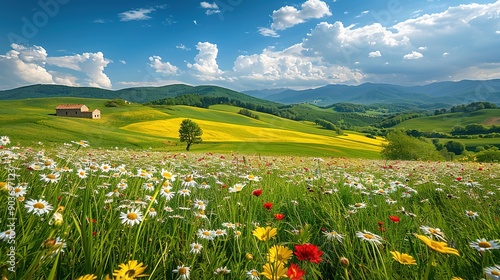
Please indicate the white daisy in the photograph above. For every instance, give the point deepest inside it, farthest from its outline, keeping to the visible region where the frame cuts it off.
(236, 188)
(183, 272)
(184, 192)
(168, 175)
(200, 204)
(222, 271)
(132, 217)
(38, 207)
(18, 191)
(195, 248)
(471, 214)
(8, 234)
(433, 232)
(331, 235)
(484, 245)
(370, 237)
(492, 272)
(206, 234)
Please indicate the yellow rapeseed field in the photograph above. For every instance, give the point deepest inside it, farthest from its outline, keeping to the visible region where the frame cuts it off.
(225, 132)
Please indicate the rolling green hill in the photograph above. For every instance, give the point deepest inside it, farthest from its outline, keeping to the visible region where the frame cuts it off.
(445, 122)
(30, 121)
(135, 95)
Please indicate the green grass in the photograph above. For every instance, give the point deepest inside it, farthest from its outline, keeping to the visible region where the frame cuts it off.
(30, 121)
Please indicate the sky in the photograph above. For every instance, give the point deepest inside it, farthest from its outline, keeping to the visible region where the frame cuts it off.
(247, 44)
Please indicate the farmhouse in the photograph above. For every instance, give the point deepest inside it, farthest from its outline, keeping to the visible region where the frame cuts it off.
(77, 111)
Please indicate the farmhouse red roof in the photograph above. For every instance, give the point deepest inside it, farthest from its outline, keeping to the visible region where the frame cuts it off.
(69, 106)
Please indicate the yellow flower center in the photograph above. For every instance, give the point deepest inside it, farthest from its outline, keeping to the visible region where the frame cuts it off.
(470, 213)
(188, 179)
(38, 205)
(218, 231)
(251, 177)
(206, 233)
(47, 163)
(152, 210)
(368, 236)
(255, 273)
(130, 273)
(16, 190)
(495, 272)
(484, 244)
(132, 216)
(51, 176)
(358, 204)
(182, 271)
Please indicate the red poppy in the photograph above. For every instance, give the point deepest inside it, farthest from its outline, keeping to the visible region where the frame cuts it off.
(380, 223)
(294, 272)
(257, 192)
(268, 205)
(308, 252)
(394, 219)
(279, 216)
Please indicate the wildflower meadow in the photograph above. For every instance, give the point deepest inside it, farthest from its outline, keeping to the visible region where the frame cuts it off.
(75, 211)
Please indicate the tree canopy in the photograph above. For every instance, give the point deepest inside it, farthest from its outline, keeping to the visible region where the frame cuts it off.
(190, 133)
(404, 147)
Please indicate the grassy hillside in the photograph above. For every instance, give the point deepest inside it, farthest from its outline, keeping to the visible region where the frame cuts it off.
(445, 122)
(31, 121)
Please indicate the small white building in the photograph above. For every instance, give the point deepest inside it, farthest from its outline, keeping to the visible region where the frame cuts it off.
(77, 111)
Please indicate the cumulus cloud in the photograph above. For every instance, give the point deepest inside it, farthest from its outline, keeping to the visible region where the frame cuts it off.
(288, 16)
(24, 65)
(432, 36)
(290, 67)
(413, 55)
(375, 54)
(162, 67)
(205, 66)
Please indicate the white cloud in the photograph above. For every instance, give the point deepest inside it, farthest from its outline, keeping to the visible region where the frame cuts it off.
(28, 65)
(205, 66)
(139, 14)
(162, 67)
(375, 54)
(268, 32)
(288, 16)
(212, 8)
(207, 5)
(289, 68)
(182, 47)
(413, 55)
(122, 61)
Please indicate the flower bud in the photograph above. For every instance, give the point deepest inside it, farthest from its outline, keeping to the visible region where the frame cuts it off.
(344, 262)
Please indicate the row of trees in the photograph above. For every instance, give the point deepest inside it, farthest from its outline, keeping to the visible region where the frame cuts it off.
(474, 106)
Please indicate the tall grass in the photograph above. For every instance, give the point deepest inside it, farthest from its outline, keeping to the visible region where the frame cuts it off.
(317, 197)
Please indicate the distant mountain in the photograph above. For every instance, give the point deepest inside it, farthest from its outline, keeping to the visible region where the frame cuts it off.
(263, 93)
(434, 95)
(136, 95)
(443, 93)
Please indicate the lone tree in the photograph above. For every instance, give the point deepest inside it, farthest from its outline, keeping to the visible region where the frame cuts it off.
(190, 133)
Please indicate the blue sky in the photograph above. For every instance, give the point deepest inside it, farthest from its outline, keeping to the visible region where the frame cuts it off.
(243, 44)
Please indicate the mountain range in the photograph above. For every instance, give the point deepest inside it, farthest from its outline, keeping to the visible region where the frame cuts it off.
(446, 93)
(439, 94)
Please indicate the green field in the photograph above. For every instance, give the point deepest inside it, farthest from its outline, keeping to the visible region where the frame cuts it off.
(446, 122)
(30, 121)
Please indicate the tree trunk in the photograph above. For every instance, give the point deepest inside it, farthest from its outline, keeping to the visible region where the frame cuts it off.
(188, 145)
